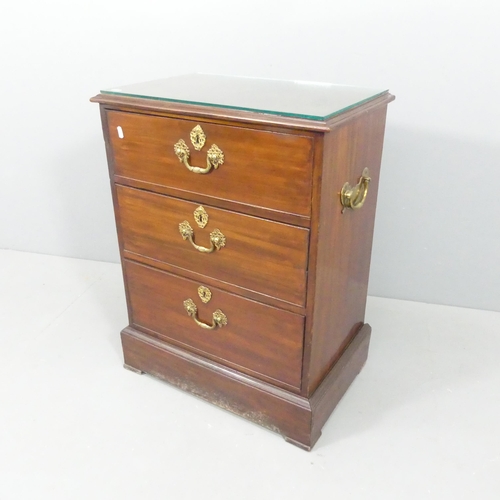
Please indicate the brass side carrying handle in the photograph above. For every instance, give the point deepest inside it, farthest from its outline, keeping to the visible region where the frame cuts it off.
(354, 197)
(217, 239)
(219, 319)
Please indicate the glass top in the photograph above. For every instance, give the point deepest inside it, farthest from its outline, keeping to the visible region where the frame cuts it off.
(311, 100)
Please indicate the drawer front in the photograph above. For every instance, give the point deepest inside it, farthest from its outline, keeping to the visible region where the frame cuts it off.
(264, 169)
(261, 255)
(258, 339)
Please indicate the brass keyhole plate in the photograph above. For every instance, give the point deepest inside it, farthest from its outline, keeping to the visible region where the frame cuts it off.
(205, 294)
(200, 217)
(198, 138)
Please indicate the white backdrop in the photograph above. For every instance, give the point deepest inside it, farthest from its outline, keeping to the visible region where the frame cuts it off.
(437, 235)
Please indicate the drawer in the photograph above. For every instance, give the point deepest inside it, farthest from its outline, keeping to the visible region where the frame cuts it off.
(258, 339)
(261, 168)
(260, 255)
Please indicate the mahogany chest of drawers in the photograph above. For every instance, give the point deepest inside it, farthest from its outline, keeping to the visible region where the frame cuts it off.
(245, 212)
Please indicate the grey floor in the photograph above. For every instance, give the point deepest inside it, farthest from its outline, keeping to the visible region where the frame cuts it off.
(421, 421)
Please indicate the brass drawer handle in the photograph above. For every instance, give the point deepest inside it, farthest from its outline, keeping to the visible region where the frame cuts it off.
(215, 157)
(217, 239)
(354, 197)
(219, 319)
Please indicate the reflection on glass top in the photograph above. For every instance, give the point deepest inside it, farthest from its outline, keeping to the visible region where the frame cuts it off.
(311, 100)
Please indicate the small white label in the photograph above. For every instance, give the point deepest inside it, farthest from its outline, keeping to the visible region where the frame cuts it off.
(120, 132)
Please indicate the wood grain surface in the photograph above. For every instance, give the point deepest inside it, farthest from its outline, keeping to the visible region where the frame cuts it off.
(260, 255)
(342, 264)
(260, 168)
(258, 339)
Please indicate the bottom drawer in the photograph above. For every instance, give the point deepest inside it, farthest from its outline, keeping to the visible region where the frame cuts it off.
(257, 339)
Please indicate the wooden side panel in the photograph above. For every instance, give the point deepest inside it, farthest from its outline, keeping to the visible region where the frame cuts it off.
(258, 339)
(111, 167)
(345, 240)
(266, 169)
(261, 255)
(339, 378)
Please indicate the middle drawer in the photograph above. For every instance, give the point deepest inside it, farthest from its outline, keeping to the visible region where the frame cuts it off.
(257, 254)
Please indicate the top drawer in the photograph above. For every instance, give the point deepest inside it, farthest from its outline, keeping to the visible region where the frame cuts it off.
(263, 169)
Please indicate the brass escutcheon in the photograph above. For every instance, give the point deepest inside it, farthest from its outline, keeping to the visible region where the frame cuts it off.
(205, 294)
(198, 138)
(201, 217)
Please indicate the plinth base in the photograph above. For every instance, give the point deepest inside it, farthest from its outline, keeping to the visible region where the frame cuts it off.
(298, 419)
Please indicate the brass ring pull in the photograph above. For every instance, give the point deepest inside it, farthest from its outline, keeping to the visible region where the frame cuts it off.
(354, 197)
(215, 157)
(219, 319)
(217, 239)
